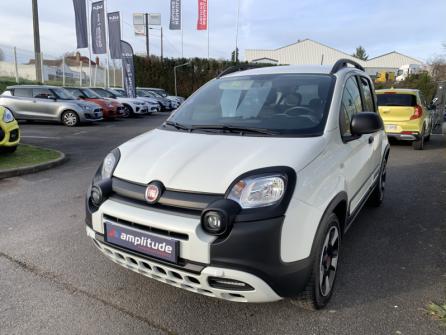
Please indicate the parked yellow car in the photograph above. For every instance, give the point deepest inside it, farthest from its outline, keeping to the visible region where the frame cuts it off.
(9, 131)
(405, 115)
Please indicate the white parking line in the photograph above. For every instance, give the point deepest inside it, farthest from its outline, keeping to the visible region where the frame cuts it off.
(45, 137)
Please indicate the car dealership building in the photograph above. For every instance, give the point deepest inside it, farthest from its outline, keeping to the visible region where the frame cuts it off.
(311, 52)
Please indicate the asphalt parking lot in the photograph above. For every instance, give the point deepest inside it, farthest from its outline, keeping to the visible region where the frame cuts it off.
(54, 281)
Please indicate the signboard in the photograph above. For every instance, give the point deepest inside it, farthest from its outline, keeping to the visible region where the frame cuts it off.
(129, 69)
(202, 23)
(114, 35)
(98, 28)
(175, 15)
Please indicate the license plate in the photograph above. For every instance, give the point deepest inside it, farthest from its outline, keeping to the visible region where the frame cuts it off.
(391, 127)
(142, 242)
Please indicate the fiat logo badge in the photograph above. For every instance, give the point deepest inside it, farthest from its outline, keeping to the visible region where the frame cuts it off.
(153, 192)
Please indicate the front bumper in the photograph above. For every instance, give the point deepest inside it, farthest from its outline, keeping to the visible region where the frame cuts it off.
(194, 282)
(91, 115)
(250, 253)
(9, 134)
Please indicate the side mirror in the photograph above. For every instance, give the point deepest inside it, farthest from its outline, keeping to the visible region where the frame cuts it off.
(366, 123)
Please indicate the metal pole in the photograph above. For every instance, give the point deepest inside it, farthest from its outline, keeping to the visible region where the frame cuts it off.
(89, 39)
(207, 11)
(146, 15)
(161, 44)
(182, 34)
(175, 74)
(95, 74)
(122, 67)
(63, 70)
(80, 72)
(106, 44)
(35, 10)
(236, 34)
(16, 66)
(42, 69)
(114, 74)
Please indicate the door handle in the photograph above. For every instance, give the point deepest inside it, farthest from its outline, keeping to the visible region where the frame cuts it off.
(371, 139)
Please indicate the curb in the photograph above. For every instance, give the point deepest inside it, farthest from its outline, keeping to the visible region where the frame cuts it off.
(34, 168)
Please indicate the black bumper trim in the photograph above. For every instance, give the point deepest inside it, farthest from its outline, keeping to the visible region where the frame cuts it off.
(254, 247)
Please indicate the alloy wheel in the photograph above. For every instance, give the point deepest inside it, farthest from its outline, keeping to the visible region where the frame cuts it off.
(70, 119)
(329, 261)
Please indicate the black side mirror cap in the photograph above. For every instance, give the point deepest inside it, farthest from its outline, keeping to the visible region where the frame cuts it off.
(366, 123)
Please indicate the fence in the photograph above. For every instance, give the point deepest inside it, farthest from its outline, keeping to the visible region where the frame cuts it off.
(71, 69)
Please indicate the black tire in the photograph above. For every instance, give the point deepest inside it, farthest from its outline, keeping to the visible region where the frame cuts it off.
(377, 196)
(8, 150)
(419, 144)
(318, 292)
(70, 118)
(127, 112)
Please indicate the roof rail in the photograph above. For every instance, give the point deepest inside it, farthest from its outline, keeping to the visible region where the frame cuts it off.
(236, 68)
(343, 62)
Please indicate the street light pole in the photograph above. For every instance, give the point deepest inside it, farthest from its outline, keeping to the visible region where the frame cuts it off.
(37, 51)
(175, 75)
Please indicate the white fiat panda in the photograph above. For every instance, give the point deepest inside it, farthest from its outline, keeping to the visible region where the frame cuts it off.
(246, 191)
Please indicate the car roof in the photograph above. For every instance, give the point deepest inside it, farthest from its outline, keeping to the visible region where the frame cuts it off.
(398, 90)
(33, 86)
(284, 69)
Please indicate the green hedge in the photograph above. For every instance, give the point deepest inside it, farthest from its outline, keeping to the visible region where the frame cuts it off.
(151, 72)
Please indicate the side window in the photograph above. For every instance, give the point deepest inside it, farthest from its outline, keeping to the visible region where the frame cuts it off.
(41, 93)
(368, 105)
(23, 92)
(350, 105)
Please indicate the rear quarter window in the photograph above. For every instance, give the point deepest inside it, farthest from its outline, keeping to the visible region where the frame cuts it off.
(23, 92)
(397, 99)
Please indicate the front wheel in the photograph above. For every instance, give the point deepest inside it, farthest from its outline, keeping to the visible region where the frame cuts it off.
(319, 289)
(127, 112)
(70, 119)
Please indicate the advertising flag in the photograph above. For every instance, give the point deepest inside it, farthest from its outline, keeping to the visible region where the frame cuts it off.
(80, 15)
(114, 35)
(129, 69)
(175, 15)
(98, 35)
(202, 15)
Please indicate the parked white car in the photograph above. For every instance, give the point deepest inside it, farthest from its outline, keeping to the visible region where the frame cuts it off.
(245, 193)
(152, 105)
(131, 106)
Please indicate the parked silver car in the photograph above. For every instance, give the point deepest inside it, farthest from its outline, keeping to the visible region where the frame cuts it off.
(48, 103)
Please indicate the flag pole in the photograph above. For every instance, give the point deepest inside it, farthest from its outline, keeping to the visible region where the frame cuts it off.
(236, 34)
(106, 43)
(182, 33)
(89, 39)
(207, 13)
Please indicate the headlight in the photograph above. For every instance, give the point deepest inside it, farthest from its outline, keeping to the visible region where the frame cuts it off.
(259, 191)
(109, 163)
(8, 116)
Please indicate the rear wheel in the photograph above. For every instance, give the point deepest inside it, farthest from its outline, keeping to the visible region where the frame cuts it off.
(377, 196)
(419, 144)
(70, 118)
(319, 289)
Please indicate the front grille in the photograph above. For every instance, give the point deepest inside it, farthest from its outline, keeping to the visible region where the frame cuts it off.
(13, 135)
(191, 202)
(163, 232)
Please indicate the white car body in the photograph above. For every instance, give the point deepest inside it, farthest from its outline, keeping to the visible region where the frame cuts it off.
(407, 70)
(329, 172)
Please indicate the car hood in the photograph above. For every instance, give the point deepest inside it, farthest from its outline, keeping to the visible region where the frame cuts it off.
(207, 162)
(82, 103)
(130, 100)
(149, 100)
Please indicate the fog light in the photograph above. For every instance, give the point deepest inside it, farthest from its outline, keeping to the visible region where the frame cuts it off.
(214, 222)
(96, 195)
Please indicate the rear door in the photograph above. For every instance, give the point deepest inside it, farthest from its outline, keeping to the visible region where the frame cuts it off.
(22, 103)
(369, 105)
(357, 151)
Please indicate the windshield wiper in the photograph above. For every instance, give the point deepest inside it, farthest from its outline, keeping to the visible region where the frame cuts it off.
(177, 125)
(239, 129)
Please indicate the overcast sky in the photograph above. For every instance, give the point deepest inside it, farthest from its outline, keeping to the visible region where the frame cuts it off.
(416, 27)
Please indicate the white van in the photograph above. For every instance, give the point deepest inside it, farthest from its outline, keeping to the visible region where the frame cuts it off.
(407, 70)
(246, 191)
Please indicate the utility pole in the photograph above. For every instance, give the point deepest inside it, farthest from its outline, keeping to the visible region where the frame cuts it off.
(146, 16)
(37, 51)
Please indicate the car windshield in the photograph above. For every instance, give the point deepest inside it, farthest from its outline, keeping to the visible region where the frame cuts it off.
(104, 93)
(63, 94)
(395, 99)
(90, 94)
(116, 92)
(283, 104)
(75, 92)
